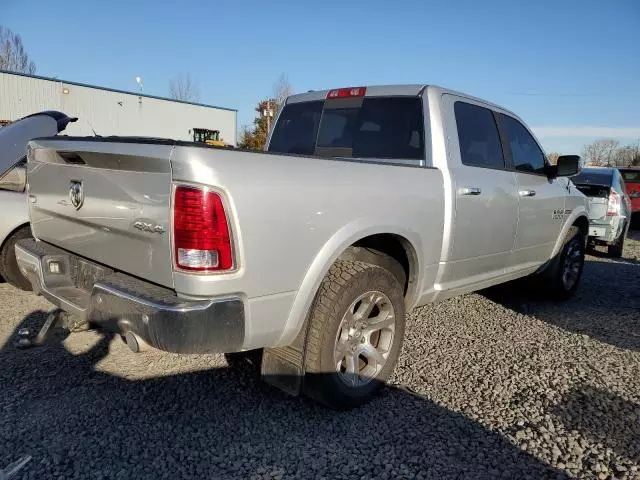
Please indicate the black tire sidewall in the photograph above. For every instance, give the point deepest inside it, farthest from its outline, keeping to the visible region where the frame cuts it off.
(562, 291)
(9, 269)
(616, 249)
(327, 383)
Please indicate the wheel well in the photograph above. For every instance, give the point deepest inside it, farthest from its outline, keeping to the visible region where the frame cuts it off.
(11, 233)
(397, 248)
(583, 224)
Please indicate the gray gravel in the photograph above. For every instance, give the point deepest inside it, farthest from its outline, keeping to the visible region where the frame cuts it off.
(493, 385)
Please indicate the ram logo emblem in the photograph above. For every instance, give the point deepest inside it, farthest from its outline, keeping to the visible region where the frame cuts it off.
(76, 193)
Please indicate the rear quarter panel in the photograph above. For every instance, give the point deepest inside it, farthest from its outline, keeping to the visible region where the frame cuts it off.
(575, 206)
(292, 217)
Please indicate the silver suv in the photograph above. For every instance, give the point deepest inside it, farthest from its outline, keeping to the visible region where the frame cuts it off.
(609, 207)
(14, 221)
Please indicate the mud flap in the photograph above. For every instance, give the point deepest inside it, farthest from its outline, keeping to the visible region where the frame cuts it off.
(284, 367)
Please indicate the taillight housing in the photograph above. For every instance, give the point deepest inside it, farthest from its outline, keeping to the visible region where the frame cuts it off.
(613, 207)
(201, 238)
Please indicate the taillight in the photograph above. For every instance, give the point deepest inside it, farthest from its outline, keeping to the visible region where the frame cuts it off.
(347, 92)
(613, 207)
(200, 231)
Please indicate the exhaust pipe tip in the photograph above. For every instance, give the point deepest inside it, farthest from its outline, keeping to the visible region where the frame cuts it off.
(135, 343)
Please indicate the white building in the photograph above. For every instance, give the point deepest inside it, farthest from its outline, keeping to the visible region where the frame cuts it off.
(111, 112)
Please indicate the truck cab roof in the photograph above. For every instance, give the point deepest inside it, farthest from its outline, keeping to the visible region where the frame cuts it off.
(398, 90)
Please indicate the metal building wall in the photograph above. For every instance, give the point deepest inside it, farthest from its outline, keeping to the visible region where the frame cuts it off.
(111, 112)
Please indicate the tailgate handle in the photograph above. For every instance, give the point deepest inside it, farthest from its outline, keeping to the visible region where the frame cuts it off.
(527, 193)
(72, 157)
(470, 191)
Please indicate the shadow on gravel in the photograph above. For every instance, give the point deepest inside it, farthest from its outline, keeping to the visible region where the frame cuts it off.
(603, 417)
(77, 422)
(605, 307)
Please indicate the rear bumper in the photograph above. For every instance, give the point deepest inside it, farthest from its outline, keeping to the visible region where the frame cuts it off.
(608, 232)
(601, 233)
(121, 303)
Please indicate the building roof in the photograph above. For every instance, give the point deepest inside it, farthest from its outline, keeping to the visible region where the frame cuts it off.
(67, 82)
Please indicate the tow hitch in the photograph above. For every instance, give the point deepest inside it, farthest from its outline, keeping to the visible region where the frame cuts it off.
(56, 318)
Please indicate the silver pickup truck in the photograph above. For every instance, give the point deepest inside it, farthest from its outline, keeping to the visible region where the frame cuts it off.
(367, 202)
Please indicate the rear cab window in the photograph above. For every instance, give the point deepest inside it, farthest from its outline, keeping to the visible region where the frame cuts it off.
(361, 127)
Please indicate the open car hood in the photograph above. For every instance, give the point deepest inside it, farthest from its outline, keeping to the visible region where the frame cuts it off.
(15, 136)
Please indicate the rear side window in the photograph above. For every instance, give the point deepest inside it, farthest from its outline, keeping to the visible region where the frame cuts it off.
(618, 183)
(527, 155)
(631, 176)
(297, 128)
(478, 136)
(375, 127)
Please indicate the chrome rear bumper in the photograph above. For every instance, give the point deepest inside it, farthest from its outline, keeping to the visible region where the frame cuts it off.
(119, 302)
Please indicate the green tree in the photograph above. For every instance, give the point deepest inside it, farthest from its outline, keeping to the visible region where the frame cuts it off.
(256, 137)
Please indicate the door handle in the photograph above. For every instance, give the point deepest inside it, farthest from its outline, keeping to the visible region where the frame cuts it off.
(470, 191)
(527, 193)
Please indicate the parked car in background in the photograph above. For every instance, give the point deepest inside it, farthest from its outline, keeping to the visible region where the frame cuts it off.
(14, 220)
(609, 207)
(631, 177)
(367, 202)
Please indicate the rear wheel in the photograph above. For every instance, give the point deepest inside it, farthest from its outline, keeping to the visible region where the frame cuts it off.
(355, 334)
(616, 249)
(563, 277)
(8, 265)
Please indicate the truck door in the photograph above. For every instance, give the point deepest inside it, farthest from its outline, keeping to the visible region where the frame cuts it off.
(485, 202)
(541, 208)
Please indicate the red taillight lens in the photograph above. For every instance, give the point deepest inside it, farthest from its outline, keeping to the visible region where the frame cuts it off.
(347, 92)
(200, 231)
(613, 207)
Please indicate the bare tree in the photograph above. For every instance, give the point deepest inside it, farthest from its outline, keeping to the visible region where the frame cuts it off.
(627, 156)
(601, 152)
(13, 56)
(553, 157)
(282, 89)
(184, 88)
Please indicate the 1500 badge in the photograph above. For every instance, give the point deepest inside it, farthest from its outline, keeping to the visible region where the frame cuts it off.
(148, 226)
(560, 213)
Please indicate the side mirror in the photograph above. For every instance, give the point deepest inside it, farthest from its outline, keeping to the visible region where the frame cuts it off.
(15, 179)
(567, 166)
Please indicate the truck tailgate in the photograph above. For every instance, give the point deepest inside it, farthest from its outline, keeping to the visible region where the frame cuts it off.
(109, 202)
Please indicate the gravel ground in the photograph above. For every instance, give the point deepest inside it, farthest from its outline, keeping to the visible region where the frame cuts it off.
(493, 385)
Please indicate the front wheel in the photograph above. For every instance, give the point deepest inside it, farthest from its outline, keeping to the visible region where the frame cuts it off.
(355, 334)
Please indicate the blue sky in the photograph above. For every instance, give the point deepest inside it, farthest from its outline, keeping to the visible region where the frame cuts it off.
(570, 68)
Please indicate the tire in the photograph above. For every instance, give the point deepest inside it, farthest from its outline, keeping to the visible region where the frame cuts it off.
(376, 257)
(560, 284)
(615, 250)
(8, 265)
(341, 370)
